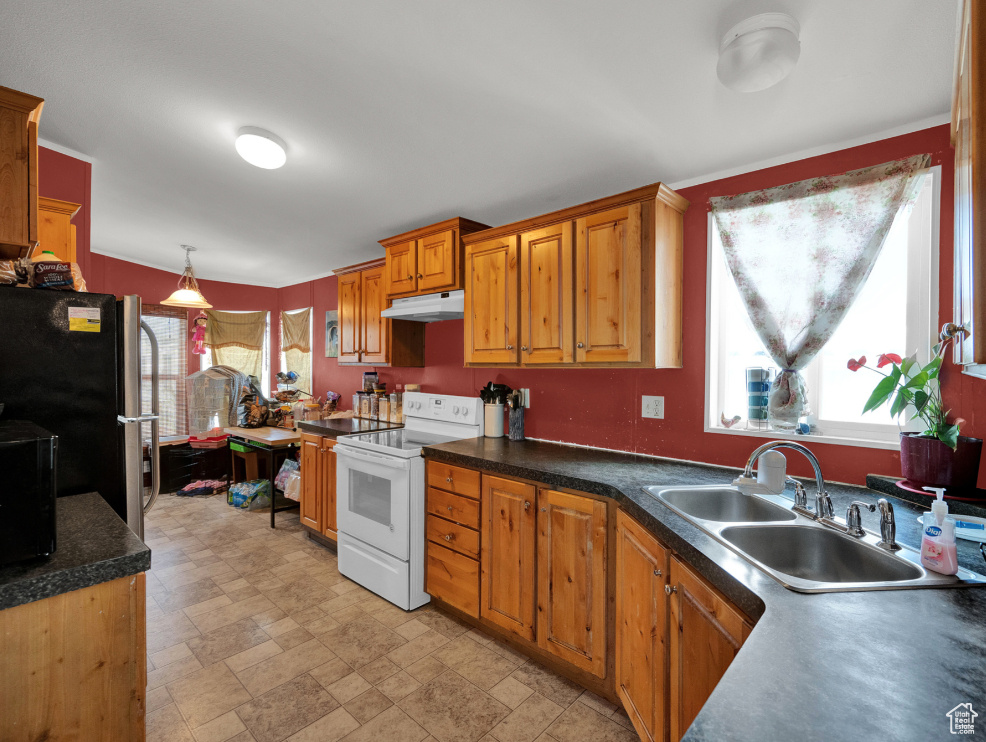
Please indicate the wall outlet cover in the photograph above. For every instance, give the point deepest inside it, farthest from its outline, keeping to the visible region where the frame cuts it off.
(652, 407)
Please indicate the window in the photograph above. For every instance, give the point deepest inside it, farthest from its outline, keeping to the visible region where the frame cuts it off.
(296, 331)
(170, 327)
(895, 312)
(206, 360)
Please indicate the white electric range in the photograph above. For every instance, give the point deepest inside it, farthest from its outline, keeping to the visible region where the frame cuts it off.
(380, 495)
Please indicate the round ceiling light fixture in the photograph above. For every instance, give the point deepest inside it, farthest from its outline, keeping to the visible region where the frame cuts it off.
(759, 52)
(261, 148)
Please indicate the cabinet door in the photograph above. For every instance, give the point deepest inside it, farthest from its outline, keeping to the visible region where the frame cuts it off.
(546, 318)
(572, 579)
(350, 323)
(328, 487)
(375, 328)
(402, 268)
(608, 299)
(491, 302)
(15, 158)
(508, 555)
(55, 229)
(641, 627)
(437, 256)
(706, 633)
(311, 481)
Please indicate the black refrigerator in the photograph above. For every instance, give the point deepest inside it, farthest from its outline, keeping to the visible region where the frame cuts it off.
(70, 363)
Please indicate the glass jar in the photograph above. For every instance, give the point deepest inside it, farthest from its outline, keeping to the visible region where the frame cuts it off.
(384, 408)
(374, 407)
(364, 405)
(356, 404)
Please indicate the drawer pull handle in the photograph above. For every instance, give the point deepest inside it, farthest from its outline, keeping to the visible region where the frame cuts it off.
(448, 479)
(448, 536)
(668, 589)
(657, 573)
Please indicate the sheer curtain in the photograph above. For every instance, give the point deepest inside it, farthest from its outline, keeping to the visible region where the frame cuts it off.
(296, 346)
(236, 339)
(799, 253)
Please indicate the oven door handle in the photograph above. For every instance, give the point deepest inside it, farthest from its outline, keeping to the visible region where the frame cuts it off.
(391, 462)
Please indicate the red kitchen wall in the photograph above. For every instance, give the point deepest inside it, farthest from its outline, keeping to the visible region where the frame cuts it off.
(597, 407)
(68, 179)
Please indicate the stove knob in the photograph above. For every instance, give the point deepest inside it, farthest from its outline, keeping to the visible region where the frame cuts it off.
(455, 410)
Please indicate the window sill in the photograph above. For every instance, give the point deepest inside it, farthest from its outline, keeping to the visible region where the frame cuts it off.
(811, 438)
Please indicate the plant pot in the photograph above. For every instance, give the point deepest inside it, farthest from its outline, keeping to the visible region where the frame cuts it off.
(930, 462)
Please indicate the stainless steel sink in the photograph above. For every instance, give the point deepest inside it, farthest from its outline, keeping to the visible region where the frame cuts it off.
(801, 553)
(723, 505)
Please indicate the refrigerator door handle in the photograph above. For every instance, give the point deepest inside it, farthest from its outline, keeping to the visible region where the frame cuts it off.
(141, 419)
(154, 419)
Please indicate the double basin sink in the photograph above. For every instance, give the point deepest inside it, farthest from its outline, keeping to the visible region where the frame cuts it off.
(798, 552)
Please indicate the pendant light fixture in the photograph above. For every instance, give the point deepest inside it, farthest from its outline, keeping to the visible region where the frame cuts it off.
(188, 293)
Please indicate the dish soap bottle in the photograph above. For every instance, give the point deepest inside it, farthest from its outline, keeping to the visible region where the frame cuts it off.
(938, 541)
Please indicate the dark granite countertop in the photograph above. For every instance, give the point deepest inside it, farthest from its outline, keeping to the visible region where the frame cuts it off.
(344, 426)
(832, 666)
(93, 545)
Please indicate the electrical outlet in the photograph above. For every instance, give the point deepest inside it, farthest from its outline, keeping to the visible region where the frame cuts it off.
(527, 397)
(652, 407)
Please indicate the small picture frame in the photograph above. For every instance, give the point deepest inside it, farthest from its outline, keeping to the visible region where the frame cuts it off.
(332, 333)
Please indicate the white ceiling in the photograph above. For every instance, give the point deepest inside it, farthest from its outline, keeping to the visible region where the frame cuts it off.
(398, 114)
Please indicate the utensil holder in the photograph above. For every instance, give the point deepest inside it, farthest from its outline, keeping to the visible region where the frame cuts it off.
(494, 420)
(516, 426)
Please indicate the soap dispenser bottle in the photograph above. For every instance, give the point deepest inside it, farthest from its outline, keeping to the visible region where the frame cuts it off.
(938, 551)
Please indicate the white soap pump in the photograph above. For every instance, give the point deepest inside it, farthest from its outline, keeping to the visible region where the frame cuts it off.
(938, 552)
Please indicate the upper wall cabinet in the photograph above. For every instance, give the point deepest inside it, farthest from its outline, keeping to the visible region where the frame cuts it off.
(428, 259)
(19, 115)
(596, 285)
(55, 229)
(365, 337)
(969, 140)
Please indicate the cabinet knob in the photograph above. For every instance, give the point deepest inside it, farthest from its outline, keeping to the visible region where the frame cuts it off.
(544, 510)
(657, 573)
(579, 345)
(420, 276)
(523, 347)
(510, 347)
(527, 505)
(448, 536)
(448, 479)
(450, 508)
(670, 589)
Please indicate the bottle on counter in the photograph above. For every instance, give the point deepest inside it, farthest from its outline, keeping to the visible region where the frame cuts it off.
(385, 408)
(364, 405)
(397, 406)
(938, 551)
(374, 406)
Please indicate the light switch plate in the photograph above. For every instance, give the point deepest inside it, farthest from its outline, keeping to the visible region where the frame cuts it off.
(652, 407)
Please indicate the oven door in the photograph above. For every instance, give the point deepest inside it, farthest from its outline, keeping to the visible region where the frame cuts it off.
(373, 493)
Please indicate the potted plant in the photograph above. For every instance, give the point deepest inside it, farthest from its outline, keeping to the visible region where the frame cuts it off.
(938, 456)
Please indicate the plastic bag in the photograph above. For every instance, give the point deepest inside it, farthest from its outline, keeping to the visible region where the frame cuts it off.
(252, 495)
(289, 465)
(292, 487)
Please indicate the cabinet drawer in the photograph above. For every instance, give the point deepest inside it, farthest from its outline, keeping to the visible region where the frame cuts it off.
(453, 507)
(454, 479)
(453, 578)
(452, 535)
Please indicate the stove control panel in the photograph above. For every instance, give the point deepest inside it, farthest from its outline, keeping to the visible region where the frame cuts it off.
(466, 410)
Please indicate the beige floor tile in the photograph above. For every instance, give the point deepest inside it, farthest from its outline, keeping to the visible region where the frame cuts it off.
(219, 729)
(417, 648)
(511, 692)
(269, 616)
(155, 699)
(194, 575)
(166, 631)
(479, 637)
(445, 625)
(367, 705)
(167, 725)
(243, 737)
(397, 686)
(348, 687)
(347, 586)
(411, 629)
(208, 694)
(393, 725)
(321, 625)
(526, 722)
(425, 669)
(340, 602)
(235, 596)
(283, 626)
(286, 709)
(621, 718)
(171, 654)
(293, 638)
(579, 722)
(378, 670)
(454, 710)
(235, 585)
(553, 687)
(597, 703)
(231, 613)
(253, 655)
(175, 671)
(474, 662)
(505, 650)
(361, 641)
(307, 615)
(347, 614)
(296, 596)
(280, 668)
(330, 728)
(227, 641)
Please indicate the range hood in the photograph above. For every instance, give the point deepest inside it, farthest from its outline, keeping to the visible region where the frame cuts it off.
(428, 308)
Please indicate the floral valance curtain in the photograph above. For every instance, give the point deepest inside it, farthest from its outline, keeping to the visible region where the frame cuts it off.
(237, 340)
(799, 254)
(296, 344)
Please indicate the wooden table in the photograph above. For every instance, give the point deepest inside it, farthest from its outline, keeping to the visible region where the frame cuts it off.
(273, 443)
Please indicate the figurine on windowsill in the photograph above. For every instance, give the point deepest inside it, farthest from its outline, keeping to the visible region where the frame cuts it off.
(198, 334)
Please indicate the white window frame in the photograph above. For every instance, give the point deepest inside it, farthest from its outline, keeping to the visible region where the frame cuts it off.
(205, 361)
(311, 342)
(923, 283)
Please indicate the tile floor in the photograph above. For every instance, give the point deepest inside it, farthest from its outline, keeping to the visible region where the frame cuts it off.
(253, 635)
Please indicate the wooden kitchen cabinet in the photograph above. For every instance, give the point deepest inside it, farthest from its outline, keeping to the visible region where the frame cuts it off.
(365, 336)
(55, 229)
(508, 555)
(642, 565)
(427, 260)
(491, 308)
(19, 116)
(605, 276)
(452, 530)
(318, 484)
(706, 633)
(572, 593)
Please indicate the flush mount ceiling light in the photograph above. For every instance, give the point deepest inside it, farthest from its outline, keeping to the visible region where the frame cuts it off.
(188, 294)
(261, 148)
(759, 52)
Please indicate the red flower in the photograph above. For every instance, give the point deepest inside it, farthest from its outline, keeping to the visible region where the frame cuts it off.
(886, 358)
(855, 365)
